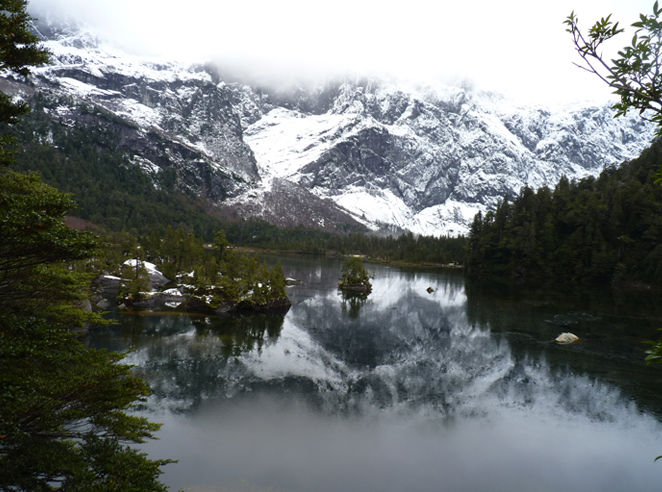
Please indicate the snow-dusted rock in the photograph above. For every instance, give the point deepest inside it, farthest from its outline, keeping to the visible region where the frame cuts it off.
(157, 278)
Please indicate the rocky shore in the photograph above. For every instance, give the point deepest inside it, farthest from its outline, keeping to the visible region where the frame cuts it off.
(164, 294)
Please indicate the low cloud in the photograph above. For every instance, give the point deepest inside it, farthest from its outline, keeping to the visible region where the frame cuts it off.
(514, 46)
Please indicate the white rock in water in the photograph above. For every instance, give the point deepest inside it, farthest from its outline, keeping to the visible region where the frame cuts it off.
(567, 338)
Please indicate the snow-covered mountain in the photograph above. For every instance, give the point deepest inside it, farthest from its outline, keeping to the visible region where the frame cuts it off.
(380, 153)
(427, 159)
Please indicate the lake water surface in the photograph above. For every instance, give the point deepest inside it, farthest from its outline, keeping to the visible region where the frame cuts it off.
(461, 389)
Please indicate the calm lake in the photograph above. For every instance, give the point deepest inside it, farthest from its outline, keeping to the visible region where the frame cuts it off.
(460, 389)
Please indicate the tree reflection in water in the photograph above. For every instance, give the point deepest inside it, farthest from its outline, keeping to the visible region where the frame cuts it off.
(242, 334)
(352, 302)
(187, 359)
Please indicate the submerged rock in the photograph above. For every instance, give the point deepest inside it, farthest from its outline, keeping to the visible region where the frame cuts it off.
(572, 319)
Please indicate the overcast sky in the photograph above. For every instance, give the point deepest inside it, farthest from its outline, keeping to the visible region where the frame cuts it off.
(515, 46)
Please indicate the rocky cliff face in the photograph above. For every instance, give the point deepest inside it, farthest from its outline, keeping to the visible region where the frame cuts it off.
(424, 159)
(168, 116)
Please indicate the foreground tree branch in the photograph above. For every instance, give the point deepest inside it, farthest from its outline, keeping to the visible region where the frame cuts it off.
(635, 73)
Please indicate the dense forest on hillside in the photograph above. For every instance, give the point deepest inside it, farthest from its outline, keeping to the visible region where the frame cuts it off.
(605, 229)
(598, 229)
(109, 190)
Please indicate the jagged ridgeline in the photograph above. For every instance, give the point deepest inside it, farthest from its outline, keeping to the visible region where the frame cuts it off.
(143, 145)
(607, 229)
(97, 163)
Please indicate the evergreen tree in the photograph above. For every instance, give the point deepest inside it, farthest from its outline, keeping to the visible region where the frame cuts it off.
(595, 230)
(221, 243)
(63, 420)
(354, 276)
(19, 50)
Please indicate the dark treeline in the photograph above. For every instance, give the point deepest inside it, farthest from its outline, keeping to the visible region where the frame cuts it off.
(607, 229)
(406, 247)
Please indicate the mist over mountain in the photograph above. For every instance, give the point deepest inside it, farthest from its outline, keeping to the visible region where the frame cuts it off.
(386, 154)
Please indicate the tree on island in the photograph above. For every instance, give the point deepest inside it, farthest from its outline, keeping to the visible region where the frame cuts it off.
(354, 277)
(63, 420)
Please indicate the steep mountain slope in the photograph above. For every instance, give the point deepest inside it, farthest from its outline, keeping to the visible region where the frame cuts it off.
(383, 154)
(170, 116)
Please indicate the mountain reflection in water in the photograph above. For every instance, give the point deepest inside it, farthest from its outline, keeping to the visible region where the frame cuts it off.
(457, 389)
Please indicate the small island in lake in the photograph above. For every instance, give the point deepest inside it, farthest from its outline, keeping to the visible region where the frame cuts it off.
(355, 278)
(187, 276)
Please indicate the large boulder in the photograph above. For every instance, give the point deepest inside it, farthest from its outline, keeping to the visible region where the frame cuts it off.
(109, 284)
(157, 278)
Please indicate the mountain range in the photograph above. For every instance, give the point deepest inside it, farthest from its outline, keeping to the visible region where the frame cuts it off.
(384, 154)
